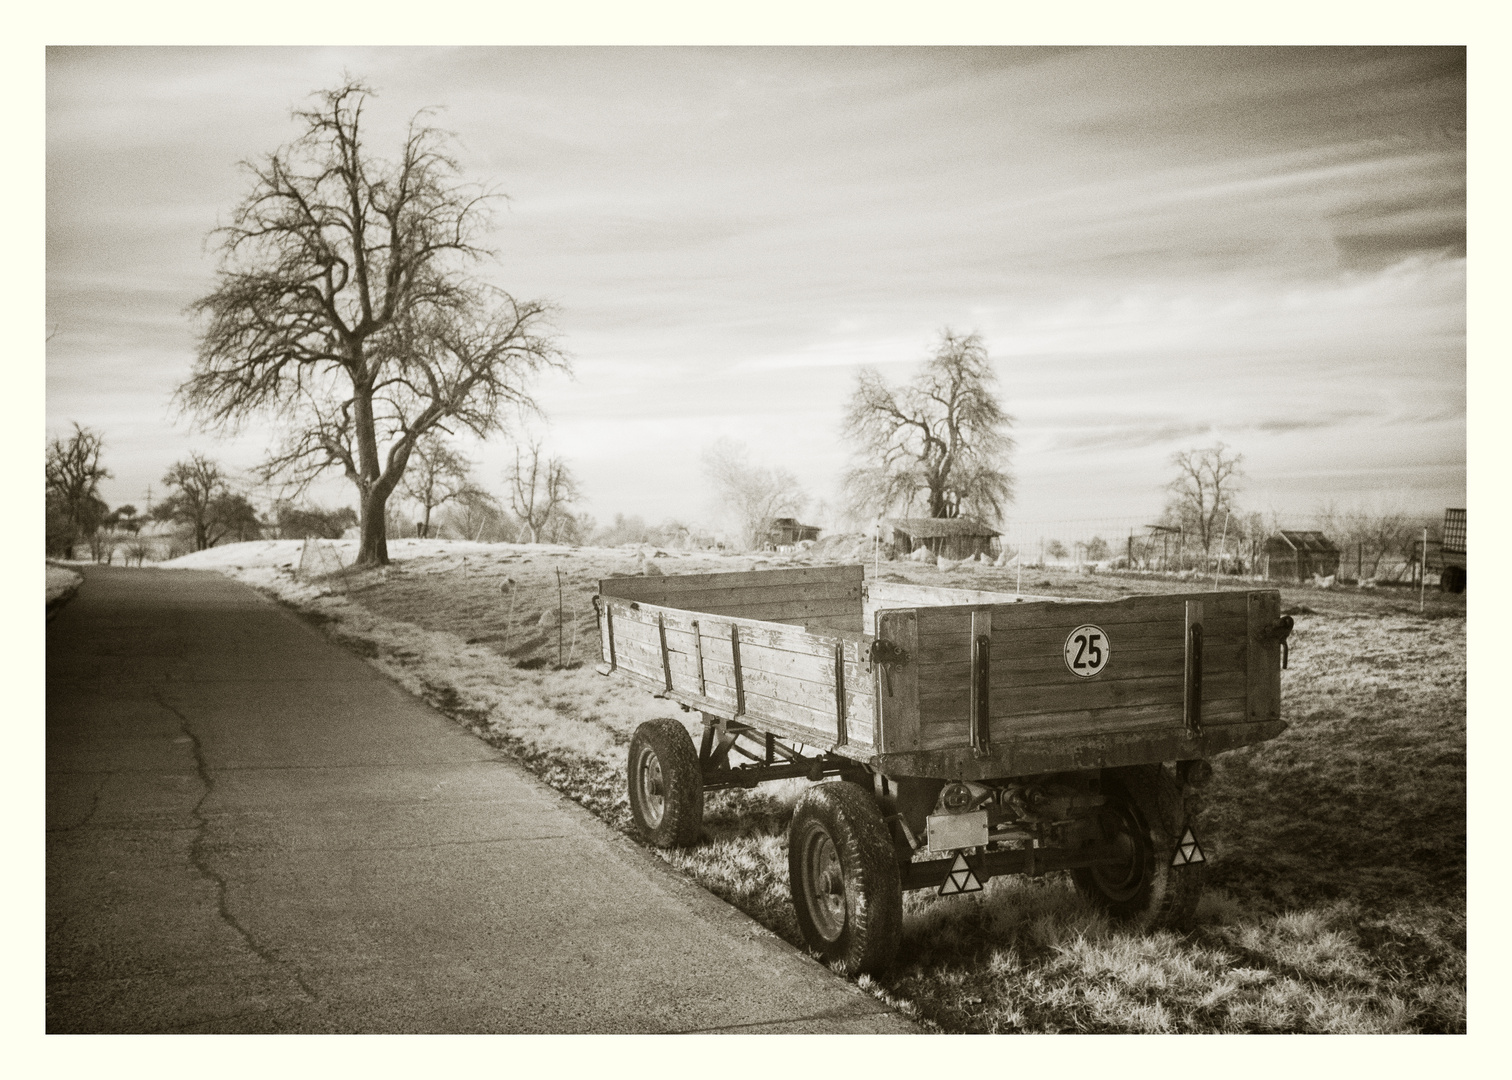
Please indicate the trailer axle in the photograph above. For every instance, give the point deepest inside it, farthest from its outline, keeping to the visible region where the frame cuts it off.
(1031, 861)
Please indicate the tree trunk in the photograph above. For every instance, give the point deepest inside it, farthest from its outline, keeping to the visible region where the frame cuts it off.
(372, 549)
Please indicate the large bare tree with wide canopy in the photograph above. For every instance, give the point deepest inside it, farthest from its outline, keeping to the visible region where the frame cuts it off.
(345, 309)
(941, 439)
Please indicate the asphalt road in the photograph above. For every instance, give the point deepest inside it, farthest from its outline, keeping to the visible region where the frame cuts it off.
(250, 830)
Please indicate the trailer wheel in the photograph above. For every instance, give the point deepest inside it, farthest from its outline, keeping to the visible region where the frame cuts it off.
(1142, 888)
(843, 874)
(666, 784)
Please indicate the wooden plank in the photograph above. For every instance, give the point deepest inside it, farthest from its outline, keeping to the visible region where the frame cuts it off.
(1056, 753)
(637, 588)
(851, 622)
(784, 610)
(758, 718)
(950, 623)
(1134, 609)
(1263, 657)
(882, 595)
(758, 656)
(952, 700)
(818, 697)
(897, 691)
(943, 646)
(775, 635)
(816, 674)
(734, 597)
(944, 734)
(1045, 669)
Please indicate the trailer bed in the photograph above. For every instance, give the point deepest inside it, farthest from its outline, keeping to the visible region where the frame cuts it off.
(950, 683)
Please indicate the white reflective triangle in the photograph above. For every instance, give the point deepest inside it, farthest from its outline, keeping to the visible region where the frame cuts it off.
(1188, 851)
(960, 879)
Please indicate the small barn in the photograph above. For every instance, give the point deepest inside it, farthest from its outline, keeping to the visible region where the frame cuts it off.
(1298, 554)
(784, 532)
(954, 538)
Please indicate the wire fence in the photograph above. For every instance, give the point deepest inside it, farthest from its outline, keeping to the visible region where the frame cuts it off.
(1244, 546)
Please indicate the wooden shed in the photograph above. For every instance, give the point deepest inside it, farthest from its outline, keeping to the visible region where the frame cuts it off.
(786, 531)
(954, 538)
(1298, 554)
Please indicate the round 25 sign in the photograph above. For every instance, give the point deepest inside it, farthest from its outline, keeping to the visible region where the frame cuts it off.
(1087, 651)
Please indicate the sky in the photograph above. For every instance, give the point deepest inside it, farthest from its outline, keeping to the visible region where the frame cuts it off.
(1161, 249)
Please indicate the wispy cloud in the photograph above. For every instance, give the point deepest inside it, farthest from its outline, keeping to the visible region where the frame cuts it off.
(1157, 245)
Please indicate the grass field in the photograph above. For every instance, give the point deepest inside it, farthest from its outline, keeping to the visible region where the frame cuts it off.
(1336, 896)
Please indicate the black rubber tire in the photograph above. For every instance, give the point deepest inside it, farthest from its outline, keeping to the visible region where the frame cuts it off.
(1452, 579)
(1144, 815)
(844, 879)
(666, 784)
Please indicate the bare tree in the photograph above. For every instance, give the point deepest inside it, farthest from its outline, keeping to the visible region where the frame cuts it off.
(942, 438)
(1202, 494)
(538, 488)
(344, 309)
(1368, 536)
(74, 507)
(752, 495)
(201, 498)
(438, 475)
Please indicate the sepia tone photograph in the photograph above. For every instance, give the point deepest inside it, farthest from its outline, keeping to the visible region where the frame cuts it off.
(763, 540)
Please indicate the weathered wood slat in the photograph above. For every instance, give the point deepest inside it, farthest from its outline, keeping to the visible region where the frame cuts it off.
(882, 595)
(809, 707)
(637, 588)
(756, 653)
(810, 670)
(956, 733)
(1264, 657)
(851, 622)
(775, 635)
(764, 716)
(817, 696)
(788, 655)
(1104, 612)
(897, 687)
(785, 610)
(1049, 668)
(713, 599)
(948, 700)
(948, 646)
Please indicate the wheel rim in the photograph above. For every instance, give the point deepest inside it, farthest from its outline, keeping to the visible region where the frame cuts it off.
(824, 885)
(1122, 878)
(653, 789)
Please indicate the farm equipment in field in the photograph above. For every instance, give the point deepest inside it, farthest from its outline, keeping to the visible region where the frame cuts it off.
(1452, 553)
(972, 733)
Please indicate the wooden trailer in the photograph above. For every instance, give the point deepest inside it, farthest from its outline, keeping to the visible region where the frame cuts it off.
(974, 733)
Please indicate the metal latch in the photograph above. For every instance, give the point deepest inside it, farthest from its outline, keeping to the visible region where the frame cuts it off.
(1279, 633)
(886, 654)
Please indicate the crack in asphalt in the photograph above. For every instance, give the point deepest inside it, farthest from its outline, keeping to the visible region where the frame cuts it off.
(94, 806)
(202, 866)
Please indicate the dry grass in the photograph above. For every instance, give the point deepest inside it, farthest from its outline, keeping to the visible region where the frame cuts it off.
(1336, 899)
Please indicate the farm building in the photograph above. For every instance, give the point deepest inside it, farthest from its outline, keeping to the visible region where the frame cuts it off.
(786, 531)
(954, 538)
(1298, 554)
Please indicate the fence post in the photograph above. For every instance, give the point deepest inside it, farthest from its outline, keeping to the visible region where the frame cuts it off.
(1423, 573)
